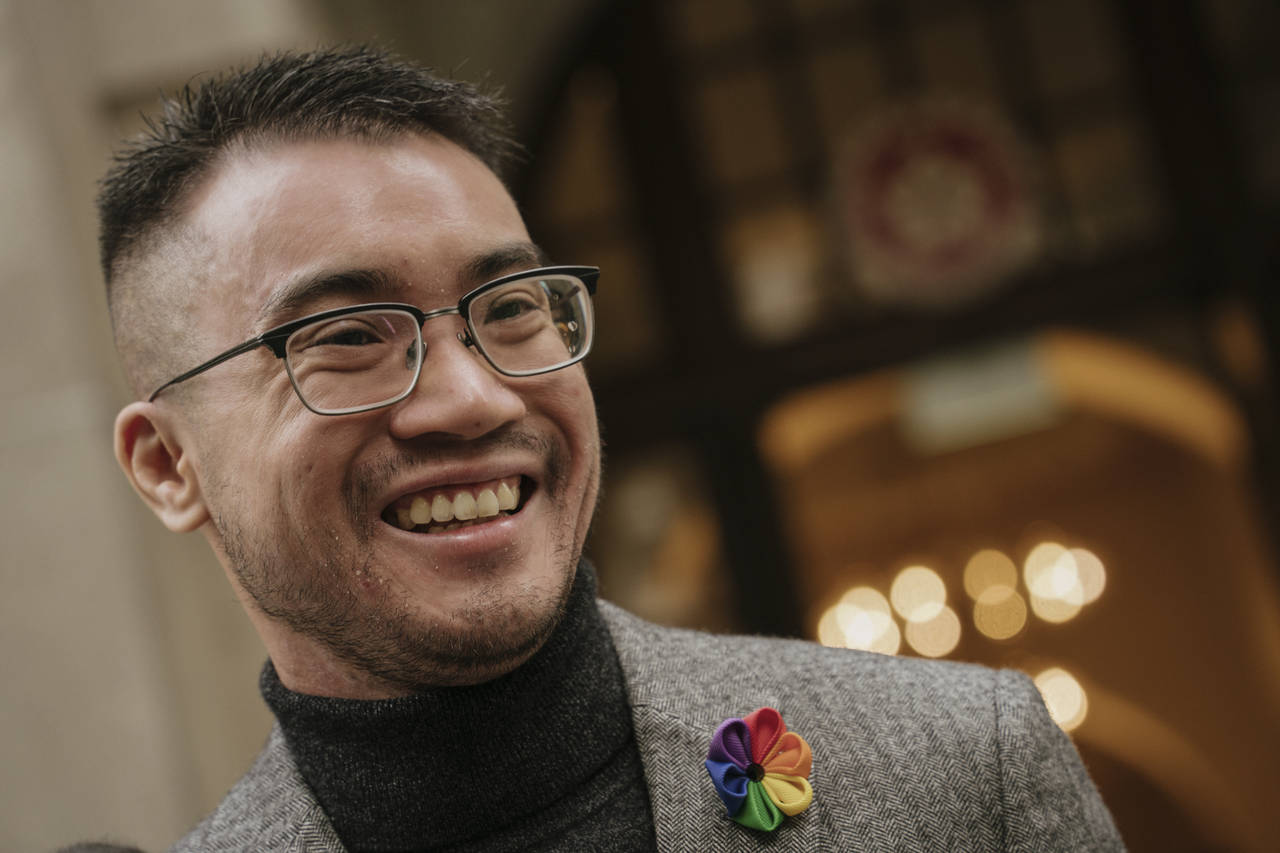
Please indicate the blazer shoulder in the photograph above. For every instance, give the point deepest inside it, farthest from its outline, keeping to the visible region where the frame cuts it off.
(676, 666)
(937, 754)
(269, 809)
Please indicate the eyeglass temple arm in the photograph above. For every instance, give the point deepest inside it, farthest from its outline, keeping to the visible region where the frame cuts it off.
(588, 275)
(274, 342)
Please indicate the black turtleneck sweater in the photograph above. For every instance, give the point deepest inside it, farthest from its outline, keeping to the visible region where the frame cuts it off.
(542, 758)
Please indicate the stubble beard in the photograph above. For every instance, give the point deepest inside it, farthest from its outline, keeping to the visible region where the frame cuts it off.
(304, 577)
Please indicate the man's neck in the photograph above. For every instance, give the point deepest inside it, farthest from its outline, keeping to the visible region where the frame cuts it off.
(460, 764)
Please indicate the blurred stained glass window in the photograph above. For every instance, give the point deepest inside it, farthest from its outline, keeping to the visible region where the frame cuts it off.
(1243, 38)
(1106, 177)
(584, 212)
(657, 542)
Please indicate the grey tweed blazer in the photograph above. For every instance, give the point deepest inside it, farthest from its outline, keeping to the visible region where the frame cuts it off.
(908, 755)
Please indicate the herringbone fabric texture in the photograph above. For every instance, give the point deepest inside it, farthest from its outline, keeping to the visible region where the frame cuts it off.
(908, 755)
(269, 809)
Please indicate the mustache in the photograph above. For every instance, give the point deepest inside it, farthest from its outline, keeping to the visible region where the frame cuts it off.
(363, 483)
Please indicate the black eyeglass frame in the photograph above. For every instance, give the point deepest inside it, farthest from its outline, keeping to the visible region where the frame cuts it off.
(276, 339)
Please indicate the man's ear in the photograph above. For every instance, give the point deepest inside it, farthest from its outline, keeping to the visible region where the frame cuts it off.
(152, 457)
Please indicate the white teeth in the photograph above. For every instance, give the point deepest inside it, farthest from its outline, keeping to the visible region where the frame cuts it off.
(420, 510)
(438, 527)
(464, 506)
(441, 509)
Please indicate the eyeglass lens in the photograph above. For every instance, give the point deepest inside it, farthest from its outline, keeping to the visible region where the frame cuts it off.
(532, 325)
(364, 359)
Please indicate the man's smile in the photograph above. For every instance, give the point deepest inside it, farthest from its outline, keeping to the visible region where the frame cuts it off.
(431, 541)
(443, 508)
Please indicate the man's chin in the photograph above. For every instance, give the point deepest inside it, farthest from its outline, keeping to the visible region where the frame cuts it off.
(379, 627)
(471, 644)
(488, 660)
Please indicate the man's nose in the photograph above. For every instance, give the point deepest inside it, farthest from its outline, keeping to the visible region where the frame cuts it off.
(458, 394)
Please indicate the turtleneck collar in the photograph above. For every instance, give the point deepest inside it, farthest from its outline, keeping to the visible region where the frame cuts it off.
(454, 764)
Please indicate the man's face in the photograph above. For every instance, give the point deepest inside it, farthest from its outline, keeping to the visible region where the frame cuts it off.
(304, 507)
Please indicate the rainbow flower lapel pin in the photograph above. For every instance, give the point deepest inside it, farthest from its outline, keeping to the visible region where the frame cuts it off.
(760, 770)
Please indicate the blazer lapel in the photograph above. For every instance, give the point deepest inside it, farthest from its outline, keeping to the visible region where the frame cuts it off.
(270, 809)
(679, 693)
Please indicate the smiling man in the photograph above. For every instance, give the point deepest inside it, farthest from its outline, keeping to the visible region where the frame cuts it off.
(359, 378)
(309, 510)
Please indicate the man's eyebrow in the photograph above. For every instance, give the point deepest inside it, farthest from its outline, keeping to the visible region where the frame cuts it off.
(365, 284)
(504, 259)
(373, 285)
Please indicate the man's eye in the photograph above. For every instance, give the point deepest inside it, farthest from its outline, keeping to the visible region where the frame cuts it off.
(510, 308)
(348, 338)
(345, 335)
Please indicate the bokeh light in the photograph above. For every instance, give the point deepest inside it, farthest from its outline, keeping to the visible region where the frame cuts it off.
(1055, 610)
(918, 594)
(1059, 582)
(867, 598)
(861, 627)
(860, 620)
(986, 569)
(889, 642)
(1064, 697)
(937, 636)
(1050, 571)
(1053, 582)
(829, 632)
(1093, 575)
(1000, 612)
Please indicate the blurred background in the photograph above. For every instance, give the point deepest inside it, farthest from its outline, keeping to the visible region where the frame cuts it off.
(932, 327)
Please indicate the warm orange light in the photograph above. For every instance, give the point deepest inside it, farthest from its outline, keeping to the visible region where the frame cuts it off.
(889, 642)
(1054, 610)
(1000, 612)
(867, 598)
(1066, 700)
(986, 569)
(861, 627)
(860, 620)
(829, 632)
(918, 594)
(1049, 570)
(937, 636)
(1092, 574)
(1053, 581)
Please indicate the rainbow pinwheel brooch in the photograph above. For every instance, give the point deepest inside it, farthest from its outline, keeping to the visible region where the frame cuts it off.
(760, 769)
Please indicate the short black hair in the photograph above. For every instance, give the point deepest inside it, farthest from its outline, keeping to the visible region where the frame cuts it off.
(347, 92)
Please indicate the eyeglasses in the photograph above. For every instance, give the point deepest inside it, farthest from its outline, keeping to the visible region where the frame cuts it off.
(364, 357)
